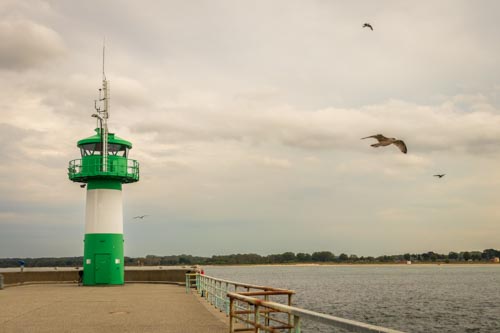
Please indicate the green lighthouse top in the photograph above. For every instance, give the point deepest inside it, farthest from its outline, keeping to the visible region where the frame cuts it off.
(112, 164)
(104, 156)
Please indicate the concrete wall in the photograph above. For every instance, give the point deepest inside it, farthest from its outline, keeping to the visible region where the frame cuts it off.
(157, 275)
(168, 275)
(52, 276)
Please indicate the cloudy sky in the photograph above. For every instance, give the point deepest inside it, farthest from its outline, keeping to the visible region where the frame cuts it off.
(246, 117)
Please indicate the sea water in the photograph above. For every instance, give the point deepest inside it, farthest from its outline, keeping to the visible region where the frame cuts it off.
(410, 298)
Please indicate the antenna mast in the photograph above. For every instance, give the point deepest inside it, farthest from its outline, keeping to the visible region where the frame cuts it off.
(103, 113)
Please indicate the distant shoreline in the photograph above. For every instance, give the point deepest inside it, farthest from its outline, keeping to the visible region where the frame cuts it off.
(167, 267)
(356, 264)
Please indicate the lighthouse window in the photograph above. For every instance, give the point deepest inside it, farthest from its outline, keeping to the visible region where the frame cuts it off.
(98, 148)
(88, 149)
(114, 149)
(117, 150)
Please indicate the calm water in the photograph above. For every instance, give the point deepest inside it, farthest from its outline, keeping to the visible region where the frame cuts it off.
(433, 298)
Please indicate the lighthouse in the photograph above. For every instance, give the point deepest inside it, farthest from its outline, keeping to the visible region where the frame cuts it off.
(103, 168)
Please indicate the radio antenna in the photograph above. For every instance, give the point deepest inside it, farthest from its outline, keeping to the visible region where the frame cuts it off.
(103, 111)
(103, 54)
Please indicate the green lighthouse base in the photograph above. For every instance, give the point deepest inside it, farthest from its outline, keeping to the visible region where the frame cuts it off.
(103, 260)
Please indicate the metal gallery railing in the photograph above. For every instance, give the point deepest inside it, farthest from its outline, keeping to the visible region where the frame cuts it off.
(250, 308)
(92, 166)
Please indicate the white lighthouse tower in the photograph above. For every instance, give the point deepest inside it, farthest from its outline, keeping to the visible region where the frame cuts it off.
(104, 166)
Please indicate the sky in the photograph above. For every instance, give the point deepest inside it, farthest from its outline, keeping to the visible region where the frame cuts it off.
(246, 119)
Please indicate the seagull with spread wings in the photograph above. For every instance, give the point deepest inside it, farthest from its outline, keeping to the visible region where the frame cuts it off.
(367, 25)
(440, 175)
(383, 141)
(140, 217)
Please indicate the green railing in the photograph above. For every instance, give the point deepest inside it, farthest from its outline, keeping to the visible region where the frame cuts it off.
(91, 167)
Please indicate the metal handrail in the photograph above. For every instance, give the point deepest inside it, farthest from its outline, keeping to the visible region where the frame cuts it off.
(298, 314)
(216, 291)
(261, 314)
(246, 285)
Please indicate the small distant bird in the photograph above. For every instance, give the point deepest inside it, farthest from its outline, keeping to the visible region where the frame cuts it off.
(383, 141)
(367, 25)
(440, 175)
(140, 217)
(83, 185)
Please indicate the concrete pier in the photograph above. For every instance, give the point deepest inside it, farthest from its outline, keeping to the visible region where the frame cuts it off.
(66, 307)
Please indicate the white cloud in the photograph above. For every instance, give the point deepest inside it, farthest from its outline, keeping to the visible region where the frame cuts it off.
(26, 44)
(425, 129)
(272, 162)
(237, 123)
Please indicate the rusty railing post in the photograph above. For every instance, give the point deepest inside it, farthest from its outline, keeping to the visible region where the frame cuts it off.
(256, 318)
(248, 311)
(267, 321)
(231, 315)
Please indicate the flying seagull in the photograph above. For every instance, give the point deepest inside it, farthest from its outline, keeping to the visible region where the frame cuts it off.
(83, 185)
(440, 175)
(140, 217)
(367, 25)
(383, 141)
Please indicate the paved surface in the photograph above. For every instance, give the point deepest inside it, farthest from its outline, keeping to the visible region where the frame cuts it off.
(128, 308)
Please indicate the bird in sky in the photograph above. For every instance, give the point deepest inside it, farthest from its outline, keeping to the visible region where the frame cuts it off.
(83, 185)
(440, 175)
(367, 25)
(383, 141)
(140, 217)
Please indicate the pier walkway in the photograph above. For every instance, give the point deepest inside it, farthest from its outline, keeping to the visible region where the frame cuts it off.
(130, 308)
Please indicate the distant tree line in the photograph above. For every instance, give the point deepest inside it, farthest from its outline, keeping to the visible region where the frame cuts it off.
(252, 258)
